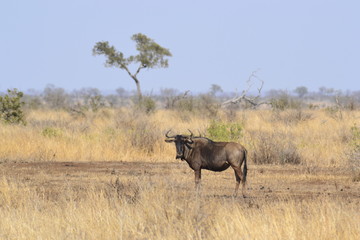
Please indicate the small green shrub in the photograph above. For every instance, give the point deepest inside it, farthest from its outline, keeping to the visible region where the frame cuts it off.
(11, 107)
(185, 105)
(355, 134)
(51, 132)
(274, 148)
(334, 112)
(284, 101)
(146, 104)
(96, 102)
(354, 154)
(224, 132)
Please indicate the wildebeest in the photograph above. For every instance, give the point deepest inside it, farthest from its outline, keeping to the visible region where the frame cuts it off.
(203, 153)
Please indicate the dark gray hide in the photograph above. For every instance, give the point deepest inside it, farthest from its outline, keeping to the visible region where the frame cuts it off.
(203, 153)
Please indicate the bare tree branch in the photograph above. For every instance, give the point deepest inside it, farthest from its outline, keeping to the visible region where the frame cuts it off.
(139, 68)
(180, 97)
(243, 97)
(340, 107)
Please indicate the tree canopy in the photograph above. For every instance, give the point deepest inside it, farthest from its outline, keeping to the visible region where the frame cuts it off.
(151, 55)
(301, 91)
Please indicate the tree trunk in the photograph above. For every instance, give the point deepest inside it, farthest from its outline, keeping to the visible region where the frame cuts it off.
(138, 88)
(133, 76)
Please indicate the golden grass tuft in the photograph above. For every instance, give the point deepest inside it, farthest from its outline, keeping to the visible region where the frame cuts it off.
(107, 204)
(160, 211)
(124, 135)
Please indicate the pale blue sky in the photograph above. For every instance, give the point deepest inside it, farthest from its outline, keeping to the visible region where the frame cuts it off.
(309, 42)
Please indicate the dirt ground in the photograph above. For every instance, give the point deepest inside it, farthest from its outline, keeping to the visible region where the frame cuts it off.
(264, 181)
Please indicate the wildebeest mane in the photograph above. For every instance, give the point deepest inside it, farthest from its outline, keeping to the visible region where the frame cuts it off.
(208, 139)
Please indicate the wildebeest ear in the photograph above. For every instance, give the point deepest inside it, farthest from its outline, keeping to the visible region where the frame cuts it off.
(190, 141)
(169, 140)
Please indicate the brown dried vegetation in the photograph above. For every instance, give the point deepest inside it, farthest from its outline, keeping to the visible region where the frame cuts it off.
(109, 175)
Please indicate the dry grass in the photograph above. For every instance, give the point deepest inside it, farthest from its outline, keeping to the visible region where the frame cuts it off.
(146, 207)
(123, 135)
(162, 205)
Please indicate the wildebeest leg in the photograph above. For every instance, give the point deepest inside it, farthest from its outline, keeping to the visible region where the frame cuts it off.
(238, 173)
(197, 179)
(238, 179)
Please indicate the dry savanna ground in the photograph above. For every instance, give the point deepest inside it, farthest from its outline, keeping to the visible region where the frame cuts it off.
(110, 175)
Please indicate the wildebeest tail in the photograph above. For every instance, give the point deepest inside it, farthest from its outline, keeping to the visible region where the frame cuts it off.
(245, 167)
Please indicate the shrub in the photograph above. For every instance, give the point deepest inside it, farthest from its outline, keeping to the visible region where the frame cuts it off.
(284, 101)
(334, 112)
(354, 163)
(354, 155)
(55, 98)
(144, 135)
(231, 112)
(11, 107)
(141, 132)
(291, 116)
(207, 105)
(96, 102)
(355, 136)
(274, 148)
(185, 104)
(222, 131)
(146, 104)
(51, 132)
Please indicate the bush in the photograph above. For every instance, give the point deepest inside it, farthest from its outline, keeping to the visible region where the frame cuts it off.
(141, 132)
(284, 101)
(334, 112)
(355, 136)
(354, 155)
(354, 163)
(185, 105)
(291, 116)
(224, 132)
(207, 105)
(55, 98)
(146, 104)
(144, 135)
(96, 102)
(11, 107)
(51, 132)
(274, 148)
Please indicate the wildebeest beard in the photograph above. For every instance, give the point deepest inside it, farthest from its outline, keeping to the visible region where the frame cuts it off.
(182, 144)
(181, 148)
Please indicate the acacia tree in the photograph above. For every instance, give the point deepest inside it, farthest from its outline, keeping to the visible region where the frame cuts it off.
(151, 55)
(301, 91)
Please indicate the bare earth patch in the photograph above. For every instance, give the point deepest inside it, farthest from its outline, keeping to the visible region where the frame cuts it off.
(272, 183)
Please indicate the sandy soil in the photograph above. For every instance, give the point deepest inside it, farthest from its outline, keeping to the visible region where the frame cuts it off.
(264, 182)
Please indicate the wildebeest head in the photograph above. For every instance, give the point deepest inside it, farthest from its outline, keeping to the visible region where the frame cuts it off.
(181, 143)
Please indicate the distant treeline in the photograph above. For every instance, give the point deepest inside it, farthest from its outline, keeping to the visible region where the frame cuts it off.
(93, 99)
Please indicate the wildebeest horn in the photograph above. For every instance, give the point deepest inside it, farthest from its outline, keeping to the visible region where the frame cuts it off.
(190, 137)
(166, 134)
(191, 134)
